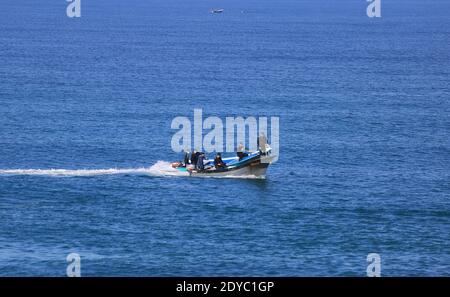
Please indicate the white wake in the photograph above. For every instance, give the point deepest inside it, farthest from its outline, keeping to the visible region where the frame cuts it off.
(161, 168)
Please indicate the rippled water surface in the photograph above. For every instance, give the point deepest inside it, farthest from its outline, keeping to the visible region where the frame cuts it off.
(85, 112)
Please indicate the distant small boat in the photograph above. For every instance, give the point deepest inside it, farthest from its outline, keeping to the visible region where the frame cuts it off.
(217, 10)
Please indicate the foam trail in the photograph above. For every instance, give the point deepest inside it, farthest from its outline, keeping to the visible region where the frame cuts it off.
(159, 169)
(162, 168)
(68, 172)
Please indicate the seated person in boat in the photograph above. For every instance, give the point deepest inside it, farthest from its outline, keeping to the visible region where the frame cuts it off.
(218, 162)
(241, 152)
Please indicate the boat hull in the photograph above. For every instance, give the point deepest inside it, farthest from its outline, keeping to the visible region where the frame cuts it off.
(254, 170)
(254, 166)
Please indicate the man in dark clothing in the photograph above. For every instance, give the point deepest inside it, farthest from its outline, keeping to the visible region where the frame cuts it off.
(194, 157)
(200, 164)
(218, 162)
(241, 155)
(186, 159)
(241, 152)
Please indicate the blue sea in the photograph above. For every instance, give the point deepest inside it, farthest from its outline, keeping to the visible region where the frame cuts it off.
(86, 106)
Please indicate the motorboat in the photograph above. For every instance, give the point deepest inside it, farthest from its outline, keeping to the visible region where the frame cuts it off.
(250, 164)
(220, 10)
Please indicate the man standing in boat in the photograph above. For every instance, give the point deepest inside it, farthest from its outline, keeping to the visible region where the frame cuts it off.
(200, 161)
(194, 158)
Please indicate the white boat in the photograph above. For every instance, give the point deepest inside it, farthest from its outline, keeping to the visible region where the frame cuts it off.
(220, 10)
(252, 165)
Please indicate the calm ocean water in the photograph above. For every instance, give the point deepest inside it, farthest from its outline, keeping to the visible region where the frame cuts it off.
(365, 148)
